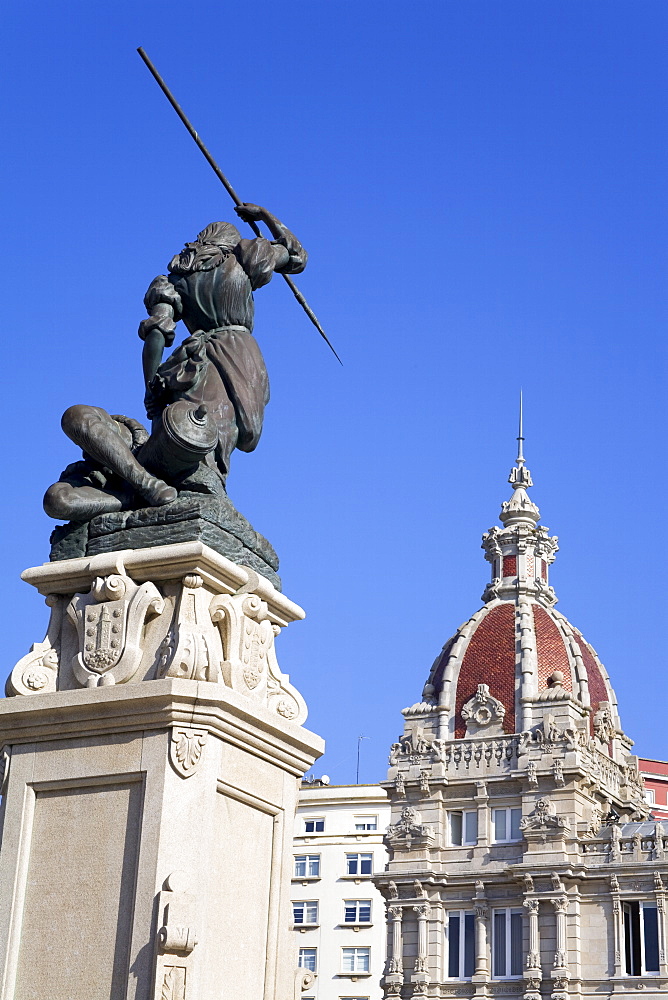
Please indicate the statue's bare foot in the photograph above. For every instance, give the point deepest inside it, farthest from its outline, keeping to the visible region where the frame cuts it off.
(158, 493)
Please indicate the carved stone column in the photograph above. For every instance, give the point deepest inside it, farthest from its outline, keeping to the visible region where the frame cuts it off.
(482, 802)
(560, 958)
(533, 956)
(396, 942)
(617, 926)
(560, 973)
(481, 973)
(420, 977)
(661, 914)
(532, 972)
(394, 979)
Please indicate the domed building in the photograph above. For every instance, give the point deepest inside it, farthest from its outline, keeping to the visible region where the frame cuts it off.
(523, 859)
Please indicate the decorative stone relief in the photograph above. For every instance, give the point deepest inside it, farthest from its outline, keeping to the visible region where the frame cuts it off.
(560, 988)
(532, 774)
(595, 821)
(604, 728)
(414, 744)
(409, 831)
(110, 623)
(38, 670)
(419, 890)
(185, 749)
(483, 713)
(615, 843)
(544, 593)
(543, 824)
(532, 988)
(491, 591)
(189, 649)
(174, 983)
(249, 655)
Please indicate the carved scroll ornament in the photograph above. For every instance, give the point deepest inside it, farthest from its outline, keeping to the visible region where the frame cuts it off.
(37, 671)
(249, 654)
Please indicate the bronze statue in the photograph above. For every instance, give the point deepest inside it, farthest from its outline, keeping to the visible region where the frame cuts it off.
(206, 399)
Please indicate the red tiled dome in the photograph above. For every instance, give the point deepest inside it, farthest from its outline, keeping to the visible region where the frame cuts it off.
(518, 646)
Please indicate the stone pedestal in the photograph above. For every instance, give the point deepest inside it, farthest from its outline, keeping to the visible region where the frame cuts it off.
(152, 759)
(212, 520)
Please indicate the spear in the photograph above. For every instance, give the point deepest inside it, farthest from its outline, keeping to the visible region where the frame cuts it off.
(230, 190)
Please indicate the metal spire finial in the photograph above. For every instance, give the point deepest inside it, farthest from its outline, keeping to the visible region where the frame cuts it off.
(520, 508)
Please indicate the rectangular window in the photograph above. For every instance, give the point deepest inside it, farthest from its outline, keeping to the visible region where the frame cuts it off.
(507, 944)
(355, 959)
(463, 827)
(357, 911)
(307, 866)
(460, 930)
(365, 823)
(641, 938)
(305, 911)
(314, 825)
(650, 796)
(359, 864)
(506, 825)
(308, 959)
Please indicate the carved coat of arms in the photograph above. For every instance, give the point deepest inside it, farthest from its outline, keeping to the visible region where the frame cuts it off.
(110, 622)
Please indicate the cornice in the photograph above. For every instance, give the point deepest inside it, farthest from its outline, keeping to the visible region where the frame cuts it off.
(158, 705)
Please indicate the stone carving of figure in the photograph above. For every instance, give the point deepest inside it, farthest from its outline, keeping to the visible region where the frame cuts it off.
(206, 399)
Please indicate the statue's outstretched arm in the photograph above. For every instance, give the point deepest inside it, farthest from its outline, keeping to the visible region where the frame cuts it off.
(294, 259)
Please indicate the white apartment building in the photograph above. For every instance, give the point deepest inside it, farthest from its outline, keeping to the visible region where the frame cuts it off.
(338, 915)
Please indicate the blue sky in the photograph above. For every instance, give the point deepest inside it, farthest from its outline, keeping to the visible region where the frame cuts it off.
(481, 186)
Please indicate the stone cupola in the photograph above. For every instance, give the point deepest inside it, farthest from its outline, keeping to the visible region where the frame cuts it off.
(518, 662)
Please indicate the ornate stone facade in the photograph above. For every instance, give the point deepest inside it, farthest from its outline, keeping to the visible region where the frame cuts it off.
(518, 808)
